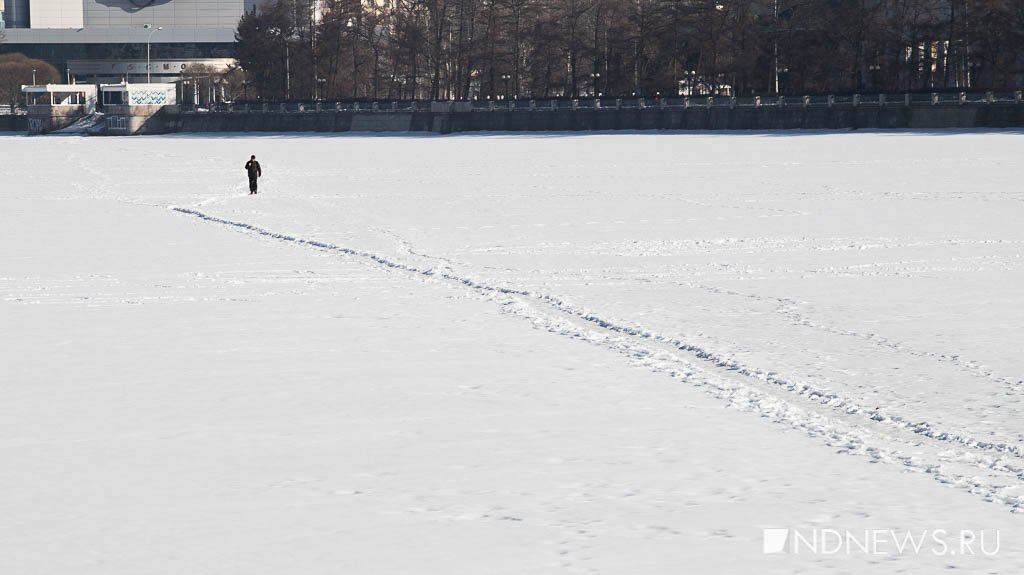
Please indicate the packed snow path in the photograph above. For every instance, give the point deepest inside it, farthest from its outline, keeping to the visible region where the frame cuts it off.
(858, 289)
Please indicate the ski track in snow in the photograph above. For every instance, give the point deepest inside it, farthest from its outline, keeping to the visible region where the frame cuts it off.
(992, 470)
(788, 309)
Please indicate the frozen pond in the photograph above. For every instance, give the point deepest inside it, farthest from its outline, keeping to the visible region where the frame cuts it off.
(508, 354)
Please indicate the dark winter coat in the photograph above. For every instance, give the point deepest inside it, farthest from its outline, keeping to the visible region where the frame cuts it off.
(253, 167)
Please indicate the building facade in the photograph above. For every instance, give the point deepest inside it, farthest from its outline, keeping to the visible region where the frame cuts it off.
(124, 40)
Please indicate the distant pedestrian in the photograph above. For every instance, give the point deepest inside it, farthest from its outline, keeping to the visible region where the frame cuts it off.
(253, 167)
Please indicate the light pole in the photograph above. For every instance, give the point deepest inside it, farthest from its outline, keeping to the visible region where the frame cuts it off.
(149, 77)
(287, 61)
(351, 25)
(775, 50)
(313, 47)
(506, 78)
(33, 76)
(399, 85)
(320, 88)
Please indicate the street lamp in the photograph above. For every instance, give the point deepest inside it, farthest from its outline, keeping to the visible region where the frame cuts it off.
(691, 82)
(594, 79)
(33, 76)
(287, 60)
(775, 48)
(875, 70)
(506, 78)
(399, 85)
(149, 77)
(320, 88)
(351, 25)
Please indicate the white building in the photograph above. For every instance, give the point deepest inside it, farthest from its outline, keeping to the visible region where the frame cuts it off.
(107, 40)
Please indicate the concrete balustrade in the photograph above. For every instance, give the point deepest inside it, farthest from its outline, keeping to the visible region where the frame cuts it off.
(935, 110)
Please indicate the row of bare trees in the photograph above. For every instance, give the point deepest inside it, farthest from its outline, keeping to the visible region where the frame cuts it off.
(497, 49)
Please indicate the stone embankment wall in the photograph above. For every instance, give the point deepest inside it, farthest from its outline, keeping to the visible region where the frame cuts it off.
(444, 118)
(820, 117)
(13, 123)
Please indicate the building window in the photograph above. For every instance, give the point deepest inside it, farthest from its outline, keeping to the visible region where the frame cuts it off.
(113, 98)
(117, 123)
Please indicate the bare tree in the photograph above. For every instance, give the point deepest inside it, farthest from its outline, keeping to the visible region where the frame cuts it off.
(17, 70)
(463, 49)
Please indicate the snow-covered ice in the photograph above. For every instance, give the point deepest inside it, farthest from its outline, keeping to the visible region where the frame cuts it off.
(611, 353)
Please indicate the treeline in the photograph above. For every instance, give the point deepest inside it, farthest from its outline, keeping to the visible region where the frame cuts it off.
(497, 49)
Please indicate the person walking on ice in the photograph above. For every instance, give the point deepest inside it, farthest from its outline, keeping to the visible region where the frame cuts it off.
(253, 167)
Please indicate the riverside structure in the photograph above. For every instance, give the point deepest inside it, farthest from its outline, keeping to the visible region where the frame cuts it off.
(879, 111)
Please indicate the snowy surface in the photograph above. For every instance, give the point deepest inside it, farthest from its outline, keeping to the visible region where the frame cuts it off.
(508, 354)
